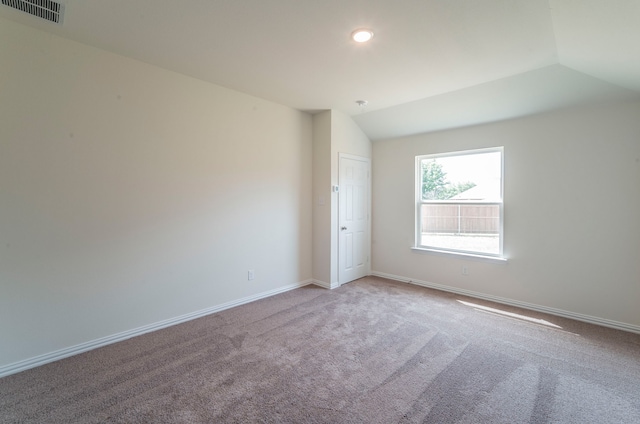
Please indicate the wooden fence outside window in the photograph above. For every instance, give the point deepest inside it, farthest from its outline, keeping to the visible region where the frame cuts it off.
(461, 218)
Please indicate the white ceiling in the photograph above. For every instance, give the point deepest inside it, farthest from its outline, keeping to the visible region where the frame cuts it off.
(433, 64)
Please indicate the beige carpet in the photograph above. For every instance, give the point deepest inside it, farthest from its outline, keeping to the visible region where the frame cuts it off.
(372, 351)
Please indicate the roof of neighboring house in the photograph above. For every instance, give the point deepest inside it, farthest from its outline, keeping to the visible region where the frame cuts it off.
(482, 191)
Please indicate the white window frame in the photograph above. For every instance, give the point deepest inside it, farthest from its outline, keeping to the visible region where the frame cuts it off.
(419, 202)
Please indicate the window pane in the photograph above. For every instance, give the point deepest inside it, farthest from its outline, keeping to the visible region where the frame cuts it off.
(472, 177)
(460, 201)
(460, 226)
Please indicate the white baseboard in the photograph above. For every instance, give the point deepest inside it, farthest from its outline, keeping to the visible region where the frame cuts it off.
(325, 285)
(539, 308)
(46, 358)
(322, 284)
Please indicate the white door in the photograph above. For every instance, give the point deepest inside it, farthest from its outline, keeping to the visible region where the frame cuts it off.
(353, 217)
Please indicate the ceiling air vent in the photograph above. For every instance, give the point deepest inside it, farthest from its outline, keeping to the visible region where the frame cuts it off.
(45, 9)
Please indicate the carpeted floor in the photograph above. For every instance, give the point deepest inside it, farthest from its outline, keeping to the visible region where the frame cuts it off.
(372, 351)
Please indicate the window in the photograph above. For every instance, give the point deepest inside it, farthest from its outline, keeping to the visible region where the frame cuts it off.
(459, 202)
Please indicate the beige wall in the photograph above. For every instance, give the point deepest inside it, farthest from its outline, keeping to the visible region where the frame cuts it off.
(131, 195)
(572, 213)
(346, 137)
(333, 133)
(322, 198)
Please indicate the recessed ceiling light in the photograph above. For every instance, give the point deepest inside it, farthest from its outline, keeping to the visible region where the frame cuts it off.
(362, 35)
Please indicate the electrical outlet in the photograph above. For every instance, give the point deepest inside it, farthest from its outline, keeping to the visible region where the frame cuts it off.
(251, 275)
(464, 270)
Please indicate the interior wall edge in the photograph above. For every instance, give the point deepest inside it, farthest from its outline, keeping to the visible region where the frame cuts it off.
(325, 285)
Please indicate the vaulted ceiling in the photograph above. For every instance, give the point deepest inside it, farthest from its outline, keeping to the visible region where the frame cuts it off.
(432, 64)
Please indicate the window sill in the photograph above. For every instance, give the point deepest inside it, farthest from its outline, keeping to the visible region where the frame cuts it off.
(484, 258)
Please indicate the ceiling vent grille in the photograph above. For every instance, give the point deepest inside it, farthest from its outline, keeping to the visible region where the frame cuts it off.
(45, 9)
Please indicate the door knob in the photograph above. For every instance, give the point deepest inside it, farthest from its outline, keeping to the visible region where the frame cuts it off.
(343, 228)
